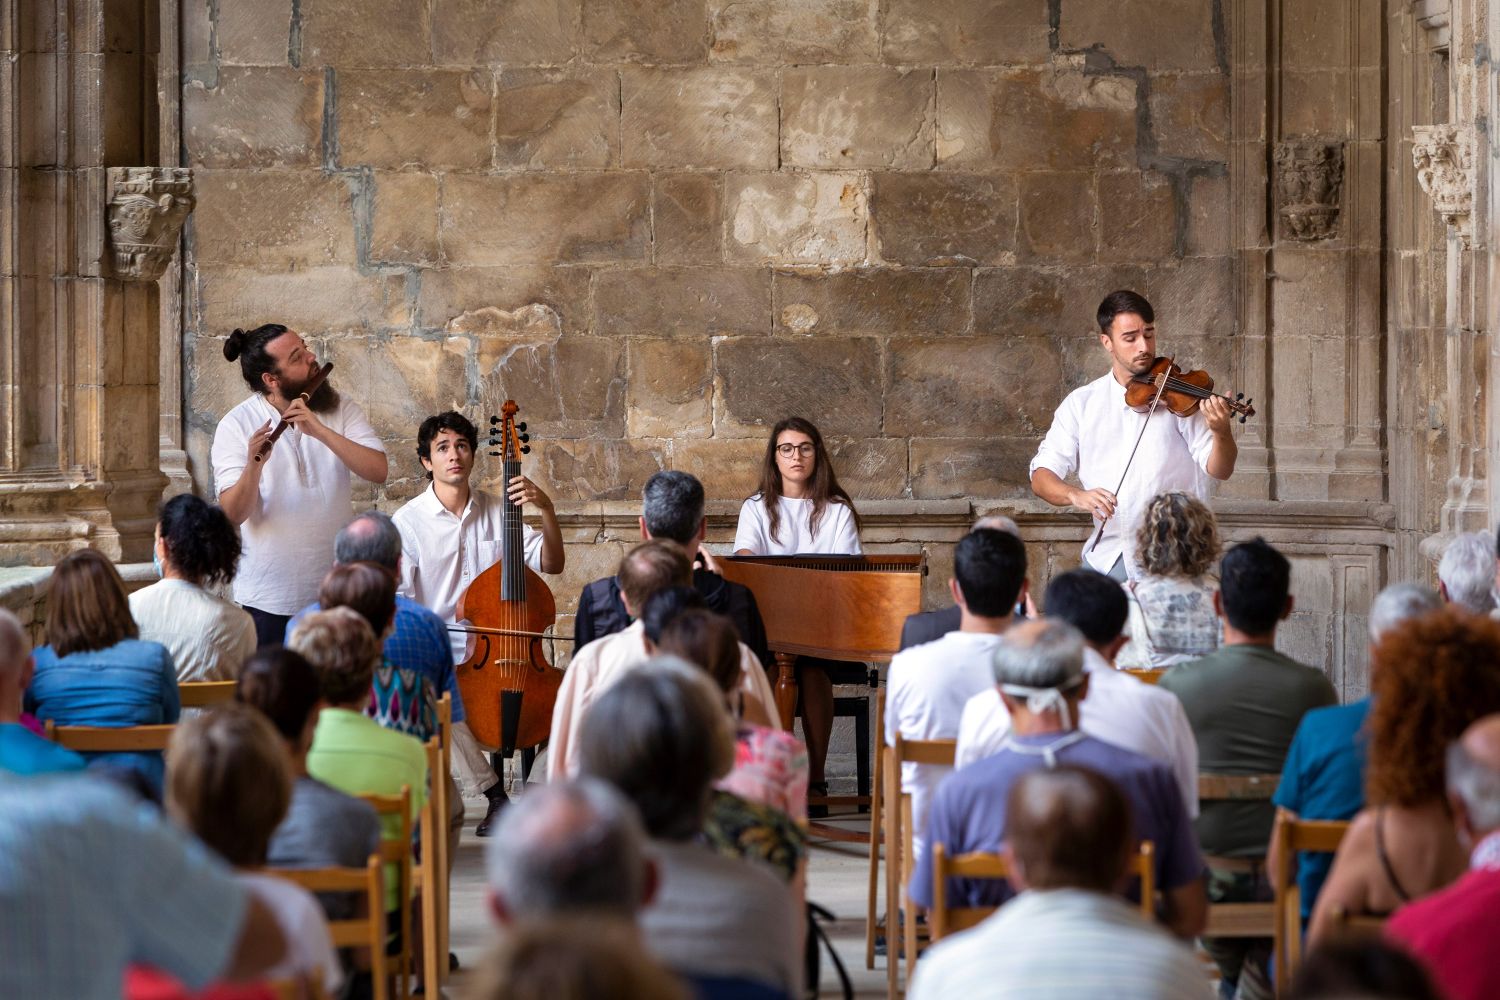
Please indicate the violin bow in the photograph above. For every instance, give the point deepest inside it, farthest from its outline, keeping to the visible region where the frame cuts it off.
(1099, 533)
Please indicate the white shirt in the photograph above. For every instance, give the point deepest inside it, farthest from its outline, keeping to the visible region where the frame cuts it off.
(1118, 709)
(208, 637)
(1092, 434)
(309, 945)
(601, 663)
(836, 531)
(441, 553)
(926, 691)
(304, 501)
(1062, 943)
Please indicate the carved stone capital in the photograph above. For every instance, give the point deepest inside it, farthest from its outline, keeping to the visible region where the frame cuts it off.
(146, 210)
(1444, 158)
(1309, 181)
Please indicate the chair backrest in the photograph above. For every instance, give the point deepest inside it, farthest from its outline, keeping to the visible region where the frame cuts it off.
(367, 931)
(1238, 920)
(1237, 787)
(1146, 675)
(201, 694)
(105, 739)
(431, 876)
(394, 812)
(905, 751)
(440, 791)
(947, 919)
(1292, 836)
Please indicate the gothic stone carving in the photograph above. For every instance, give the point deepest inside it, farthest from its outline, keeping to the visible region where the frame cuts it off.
(1444, 158)
(147, 207)
(1309, 179)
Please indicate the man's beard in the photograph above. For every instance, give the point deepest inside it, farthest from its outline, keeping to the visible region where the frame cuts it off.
(322, 401)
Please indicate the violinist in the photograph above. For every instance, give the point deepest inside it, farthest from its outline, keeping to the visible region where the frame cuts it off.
(1094, 430)
(450, 534)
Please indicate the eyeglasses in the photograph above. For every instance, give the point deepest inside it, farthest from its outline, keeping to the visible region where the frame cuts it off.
(805, 449)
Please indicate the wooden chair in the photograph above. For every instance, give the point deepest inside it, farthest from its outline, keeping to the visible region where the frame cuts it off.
(1238, 920)
(201, 694)
(1356, 923)
(899, 855)
(945, 919)
(107, 739)
(367, 931)
(1146, 675)
(1293, 836)
(440, 792)
(876, 835)
(430, 876)
(395, 851)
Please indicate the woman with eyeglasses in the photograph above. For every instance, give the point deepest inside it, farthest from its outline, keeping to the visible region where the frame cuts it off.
(801, 509)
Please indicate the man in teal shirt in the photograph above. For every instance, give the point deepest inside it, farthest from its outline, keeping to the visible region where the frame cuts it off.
(21, 750)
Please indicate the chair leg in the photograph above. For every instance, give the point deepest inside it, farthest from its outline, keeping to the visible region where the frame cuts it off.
(874, 886)
(862, 749)
(890, 820)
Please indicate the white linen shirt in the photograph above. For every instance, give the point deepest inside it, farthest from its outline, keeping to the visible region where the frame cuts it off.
(304, 501)
(1117, 709)
(927, 688)
(836, 535)
(208, 637)
(1092, 434)
(441, 553)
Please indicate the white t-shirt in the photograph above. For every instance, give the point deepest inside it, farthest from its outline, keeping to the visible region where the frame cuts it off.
(309, 945)
(836, 531)
(304, 501)
(208, 637)
(1118, 709)
(926, 691)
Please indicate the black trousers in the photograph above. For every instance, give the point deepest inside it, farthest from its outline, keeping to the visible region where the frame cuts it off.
(270, 630)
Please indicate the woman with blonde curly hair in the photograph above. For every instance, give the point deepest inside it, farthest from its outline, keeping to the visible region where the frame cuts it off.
(1432, 676)
(1172, 617)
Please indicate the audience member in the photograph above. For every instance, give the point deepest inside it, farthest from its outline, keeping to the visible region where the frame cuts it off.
(1068, 842)
(1450, 929)
(196, 548)
(95, 670)
(577, 958)
(672, 509)
(650, 566)
(1324, 774)
(1361, 967)
(928, 685)
(1432, 677)
(1244, 703)
(229, 781)
(1119, 709)
(925, 626)
(660, 736)
(1466, 573)
(323, 827)
(1039, 668)
(92, 880)
(21, 750)
(1172, 617)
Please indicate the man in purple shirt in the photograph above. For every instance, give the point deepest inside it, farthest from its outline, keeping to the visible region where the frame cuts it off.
(1039, 669)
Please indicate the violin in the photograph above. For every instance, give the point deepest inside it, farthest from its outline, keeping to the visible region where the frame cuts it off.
(313, 385)
(509, 687)
(1181, 392)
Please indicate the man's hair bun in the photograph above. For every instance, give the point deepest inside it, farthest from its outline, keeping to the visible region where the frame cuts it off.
(234, 345)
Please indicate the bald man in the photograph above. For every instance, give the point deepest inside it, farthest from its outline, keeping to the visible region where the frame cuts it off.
(22, 751)
(1068, 842)
(1452, 931)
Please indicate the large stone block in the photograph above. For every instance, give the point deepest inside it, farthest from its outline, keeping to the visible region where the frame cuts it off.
(1208, 216)
(1137, 216)
(926, 219)
(214, 387)
(842, 117)
(878, 301)
(272, 218)
(687, 214)
(1135, 32)
(1197, 297)
(353, 34)
(254, 118)
(873, 468)
(1045, 300)
(793, 31)
(433, 118)
(728, 468)
(1059, 218)
(984, 32)
(404, 219)
(551, 118)
(1190, 115)
(671, 389)
(972, 387)
(702, 117)
(504, 301)
(523, 219)
(510, 32)
(690, 301)
(403, 380)
(1028, 119)
(788, 218)
(566, 387)
(256, 34)
(958, 467)
(834, 382)
(318, 301)
(652, 31)
(599, 470)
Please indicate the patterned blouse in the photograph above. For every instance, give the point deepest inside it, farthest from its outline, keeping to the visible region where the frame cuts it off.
(403, 700)
(1172, 621)
(770, 767)
(739, 828)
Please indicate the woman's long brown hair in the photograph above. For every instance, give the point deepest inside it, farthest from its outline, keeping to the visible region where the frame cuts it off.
(86, 605)
(822, 488)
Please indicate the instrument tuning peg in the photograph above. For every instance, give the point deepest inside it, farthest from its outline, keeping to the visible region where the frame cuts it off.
(521, 426)
(494, 421)
(494, 454)
(526, 449)
(525, 438)
(1239, 395)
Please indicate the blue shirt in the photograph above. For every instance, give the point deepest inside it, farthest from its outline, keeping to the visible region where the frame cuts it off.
(968, 813)
(1324, 778)
(419, 642)
(132, 683)
(24, 752)
(91, 880)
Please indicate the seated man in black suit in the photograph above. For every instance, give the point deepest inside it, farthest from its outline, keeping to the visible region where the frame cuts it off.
(672, 508)
(925, 626)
